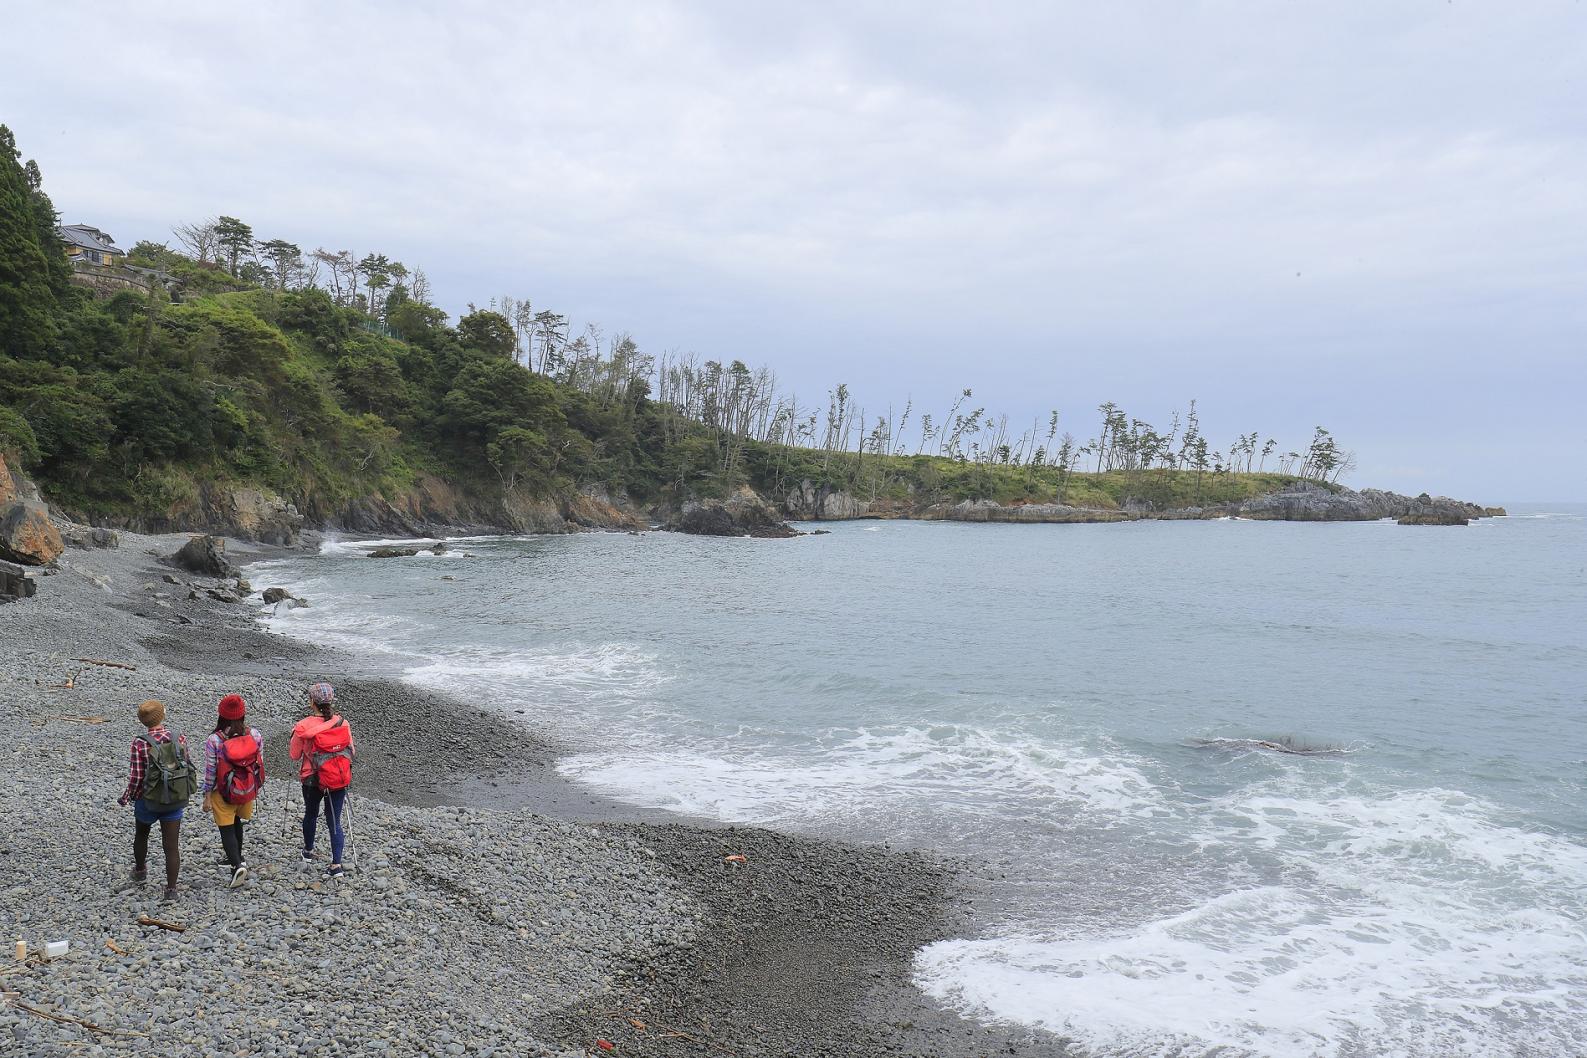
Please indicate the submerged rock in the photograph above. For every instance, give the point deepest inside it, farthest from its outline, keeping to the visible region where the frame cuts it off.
(1433, 518)
(272, 596)
(394, 552)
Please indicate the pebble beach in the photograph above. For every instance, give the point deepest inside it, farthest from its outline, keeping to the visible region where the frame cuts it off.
(489, 909)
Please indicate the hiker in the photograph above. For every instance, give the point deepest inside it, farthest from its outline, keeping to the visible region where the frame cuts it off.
(233, 777)
(323, 742)
(159, 784)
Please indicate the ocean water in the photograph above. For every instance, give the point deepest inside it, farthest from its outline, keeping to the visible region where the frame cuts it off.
(1082, 711)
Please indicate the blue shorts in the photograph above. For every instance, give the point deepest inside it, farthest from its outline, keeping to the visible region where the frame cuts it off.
(144, 814)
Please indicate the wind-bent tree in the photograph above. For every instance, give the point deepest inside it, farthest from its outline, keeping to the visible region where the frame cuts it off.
(235, 238)
(286, 261)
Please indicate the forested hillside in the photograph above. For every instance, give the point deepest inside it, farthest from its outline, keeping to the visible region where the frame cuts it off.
(328, 378)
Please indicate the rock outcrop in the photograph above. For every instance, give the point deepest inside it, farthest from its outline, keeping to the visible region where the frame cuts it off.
(1299, 502)
(394, 552)
(810, 504)
(991, 511)
(1310, 502)
(229, 510)
(204, 555)
(1426, 510)
(27, 536)
(433, 506)
(15, 582)
(85, 537)
(8, 485)
(742, 514)
(278, 595)
(250, 514)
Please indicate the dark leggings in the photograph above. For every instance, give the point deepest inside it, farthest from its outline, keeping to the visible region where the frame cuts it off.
(231, 841)
(170, 843)
(335, 802)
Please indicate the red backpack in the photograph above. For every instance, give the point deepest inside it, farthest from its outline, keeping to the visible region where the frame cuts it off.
(239, 769)
(332, 755)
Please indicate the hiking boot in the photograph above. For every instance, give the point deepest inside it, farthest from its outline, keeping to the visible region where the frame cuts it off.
(308, 856)
(170, 895)
(238, 876)
(336, 870)
(140, 874)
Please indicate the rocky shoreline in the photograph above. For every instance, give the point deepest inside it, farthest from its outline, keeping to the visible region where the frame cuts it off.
(1300, 502)
(437, 508)
(493, 908)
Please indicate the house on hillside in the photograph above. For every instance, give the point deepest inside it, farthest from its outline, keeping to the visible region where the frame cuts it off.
(89, 245)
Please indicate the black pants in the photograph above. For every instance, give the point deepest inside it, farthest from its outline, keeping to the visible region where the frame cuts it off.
(231, 841)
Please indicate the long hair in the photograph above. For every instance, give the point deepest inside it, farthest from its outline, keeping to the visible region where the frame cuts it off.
(325, 709)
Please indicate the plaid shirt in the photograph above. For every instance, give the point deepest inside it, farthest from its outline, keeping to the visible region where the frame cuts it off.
(140, 760)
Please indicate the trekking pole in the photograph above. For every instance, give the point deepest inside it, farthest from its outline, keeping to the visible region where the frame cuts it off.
(347, 828)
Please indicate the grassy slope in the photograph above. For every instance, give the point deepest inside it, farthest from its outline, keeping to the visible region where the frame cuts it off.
(922, 480)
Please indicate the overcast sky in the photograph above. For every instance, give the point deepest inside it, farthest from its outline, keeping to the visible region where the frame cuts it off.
(1368, 216)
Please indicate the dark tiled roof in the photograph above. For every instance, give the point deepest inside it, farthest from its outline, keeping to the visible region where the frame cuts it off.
(85, 236)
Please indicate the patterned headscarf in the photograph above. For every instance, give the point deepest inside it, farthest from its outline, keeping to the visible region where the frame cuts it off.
(322, 694)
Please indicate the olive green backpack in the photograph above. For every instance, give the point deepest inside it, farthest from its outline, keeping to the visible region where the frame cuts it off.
(170, 779)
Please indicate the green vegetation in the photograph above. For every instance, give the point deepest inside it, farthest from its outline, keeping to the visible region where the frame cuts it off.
(328, 376)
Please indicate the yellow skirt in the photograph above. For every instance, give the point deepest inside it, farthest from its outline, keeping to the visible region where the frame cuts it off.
(224, 811)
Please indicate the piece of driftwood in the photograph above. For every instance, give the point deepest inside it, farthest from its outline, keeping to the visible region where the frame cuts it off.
(67, 1019)
(108, 664)
(84, 719)
(145, 920)
(113, 946)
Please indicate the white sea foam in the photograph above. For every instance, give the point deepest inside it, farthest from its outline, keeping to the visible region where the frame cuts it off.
(333, 544)
(612, 669)
(339, 622)
(926, 769)
(1414, 924)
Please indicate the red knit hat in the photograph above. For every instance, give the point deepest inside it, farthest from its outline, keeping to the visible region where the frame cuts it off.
(232, 707)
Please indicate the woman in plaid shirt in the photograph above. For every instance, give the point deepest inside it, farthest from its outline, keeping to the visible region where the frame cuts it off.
(152, 715)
